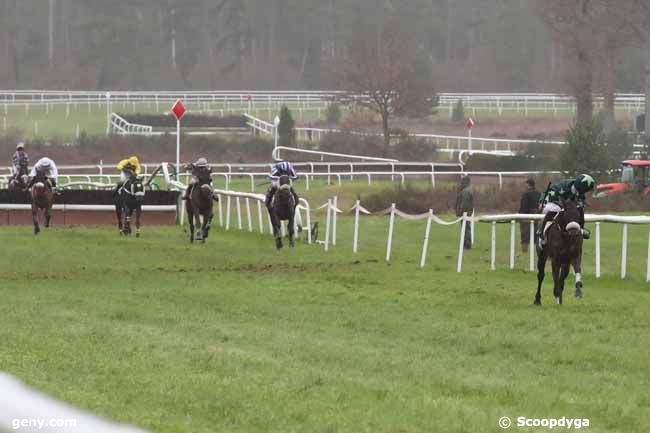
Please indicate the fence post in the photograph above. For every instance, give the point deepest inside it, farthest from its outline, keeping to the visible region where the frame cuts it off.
(597, 249)
(228, 212)
(512, 244)
(248, 214)
(461, 245)
(425, 246)
(647, 271)
(334, 218)
(327, 224)
(493, 247)
(391, 223)
(531, 246)
(624, 253)
(355, 243)
(308, 215)
(259, 215)
(239, 226)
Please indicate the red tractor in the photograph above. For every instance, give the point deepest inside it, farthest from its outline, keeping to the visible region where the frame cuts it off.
(634, 178)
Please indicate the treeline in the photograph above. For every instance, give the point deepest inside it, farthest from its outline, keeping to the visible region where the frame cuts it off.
(468, 45)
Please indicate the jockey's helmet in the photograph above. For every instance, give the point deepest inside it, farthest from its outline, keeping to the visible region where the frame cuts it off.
(45, 165)
(20, 146)
(134, 161)
(584, 183)
(201, 162)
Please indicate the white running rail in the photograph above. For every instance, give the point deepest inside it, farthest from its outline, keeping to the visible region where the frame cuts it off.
(120, 126)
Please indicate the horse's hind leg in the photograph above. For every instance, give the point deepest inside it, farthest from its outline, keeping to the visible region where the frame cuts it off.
(577, 267)
(290, 228)
(198, 225)
(118, 215)
(190, 221)
(138, 215)
(541, 264)
(37, 229)
(48, 216)
(564, 272)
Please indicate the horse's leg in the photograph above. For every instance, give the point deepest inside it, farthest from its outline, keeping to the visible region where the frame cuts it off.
(577, 267)
(209, 224)
(290, 229)
(277, 232)
(557, 271)
(127, 220)
(37, 229)
(541, 264)
(198, 225)
(118, 215)
(190, 221)
(48, 215)
(138, 215)
(564, 272)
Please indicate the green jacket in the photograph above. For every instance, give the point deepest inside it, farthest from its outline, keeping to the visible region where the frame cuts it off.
(562, 191)
(465, 201)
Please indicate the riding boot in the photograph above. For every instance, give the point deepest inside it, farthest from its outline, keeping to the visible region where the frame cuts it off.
(295, 196)
(541, 233)
(586, 234)
(117, 188)
(269, 196)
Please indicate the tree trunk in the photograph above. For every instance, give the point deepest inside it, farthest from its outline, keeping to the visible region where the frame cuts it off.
(583, 88)
(384, 123)
(8, 65)
(609, 92)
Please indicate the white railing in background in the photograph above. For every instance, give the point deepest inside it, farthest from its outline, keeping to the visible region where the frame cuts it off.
(23, 409)
(121, 126)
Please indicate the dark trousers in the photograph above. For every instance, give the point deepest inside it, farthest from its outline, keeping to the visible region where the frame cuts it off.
(467, 241)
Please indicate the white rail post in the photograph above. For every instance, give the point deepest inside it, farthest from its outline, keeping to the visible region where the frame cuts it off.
(334, 218)
(461, 246)
(493, 247)
(647, 270)
(228, 212)
(220, 210)
(248, 214)
(425, 246)
(512, 244)
(327, 224)
(355, 243)
(391, 223)
(531, 246)
(624, 253)
(259, 216)
(597, 249)
(239, 226)
(472, 226)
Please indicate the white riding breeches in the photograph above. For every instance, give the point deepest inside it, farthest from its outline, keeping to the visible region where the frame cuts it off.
(551, 207)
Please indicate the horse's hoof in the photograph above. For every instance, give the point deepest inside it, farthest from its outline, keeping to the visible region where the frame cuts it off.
(558, 301)
(137, 235)
(578, 294)
(536, 303)
(292, 244)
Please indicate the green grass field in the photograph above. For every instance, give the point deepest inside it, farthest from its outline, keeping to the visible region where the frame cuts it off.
(230, 336)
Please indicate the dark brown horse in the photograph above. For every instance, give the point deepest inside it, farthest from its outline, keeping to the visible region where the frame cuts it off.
(42, 199)
(129, 199)
(199, 206)
(564, 248)
(283, 208)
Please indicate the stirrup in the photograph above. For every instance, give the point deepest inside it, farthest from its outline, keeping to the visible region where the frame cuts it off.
(586, 234)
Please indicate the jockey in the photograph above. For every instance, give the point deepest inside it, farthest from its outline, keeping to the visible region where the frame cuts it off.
(128, 167)
(279, 169)
(201, 171)
(46, 168)
(568, 189)
(19, 161)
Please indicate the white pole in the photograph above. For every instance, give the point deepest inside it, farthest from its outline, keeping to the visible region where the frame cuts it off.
(493, 247)
(108, 113)
(248, 214)
(624, 253)
(228, 212)
(532, 246)
(239, 226)
(647, 270)
(390, 232)
(598, 250)
(469, 138)
(259, 215)
(220, 210)
(461, 245)
(471, 224)
(178, 149)
(355, 243)
(512, 244)
(334, 218)
(327, 224)
(425, 246)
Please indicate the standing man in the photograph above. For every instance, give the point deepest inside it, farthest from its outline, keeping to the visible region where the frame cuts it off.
(465, 204)
(529, 205)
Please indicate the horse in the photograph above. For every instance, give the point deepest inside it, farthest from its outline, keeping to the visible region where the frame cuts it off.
(283, 208)
(199, 204)
(128, 199)
(42, 197)
(21, 179)
(564, 248)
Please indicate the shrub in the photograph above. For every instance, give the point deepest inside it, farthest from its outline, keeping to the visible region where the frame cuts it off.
(286, 132)
(414, 149)
(334, 113)
(458, 114)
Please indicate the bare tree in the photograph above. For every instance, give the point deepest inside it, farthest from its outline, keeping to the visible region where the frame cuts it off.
(383, 71)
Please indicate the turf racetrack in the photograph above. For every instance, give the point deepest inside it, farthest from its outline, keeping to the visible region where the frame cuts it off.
(231, 336)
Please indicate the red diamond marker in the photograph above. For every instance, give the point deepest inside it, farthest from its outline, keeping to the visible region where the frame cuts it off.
(470, 123)
(178, 109)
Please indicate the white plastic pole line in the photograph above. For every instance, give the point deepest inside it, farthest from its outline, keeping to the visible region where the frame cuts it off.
(391, 224)
(228, 212)
(327, 224)
(178, 149)
(425, 245)
(647, 270)
(334, 218)
(597, 250)
(355, 243)
(220, 210)
(531, 247)
(624, 252)
(493, 247)
(259, 216)
(248, 214)
(239, 226)
(512, 244)
(461, 245)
